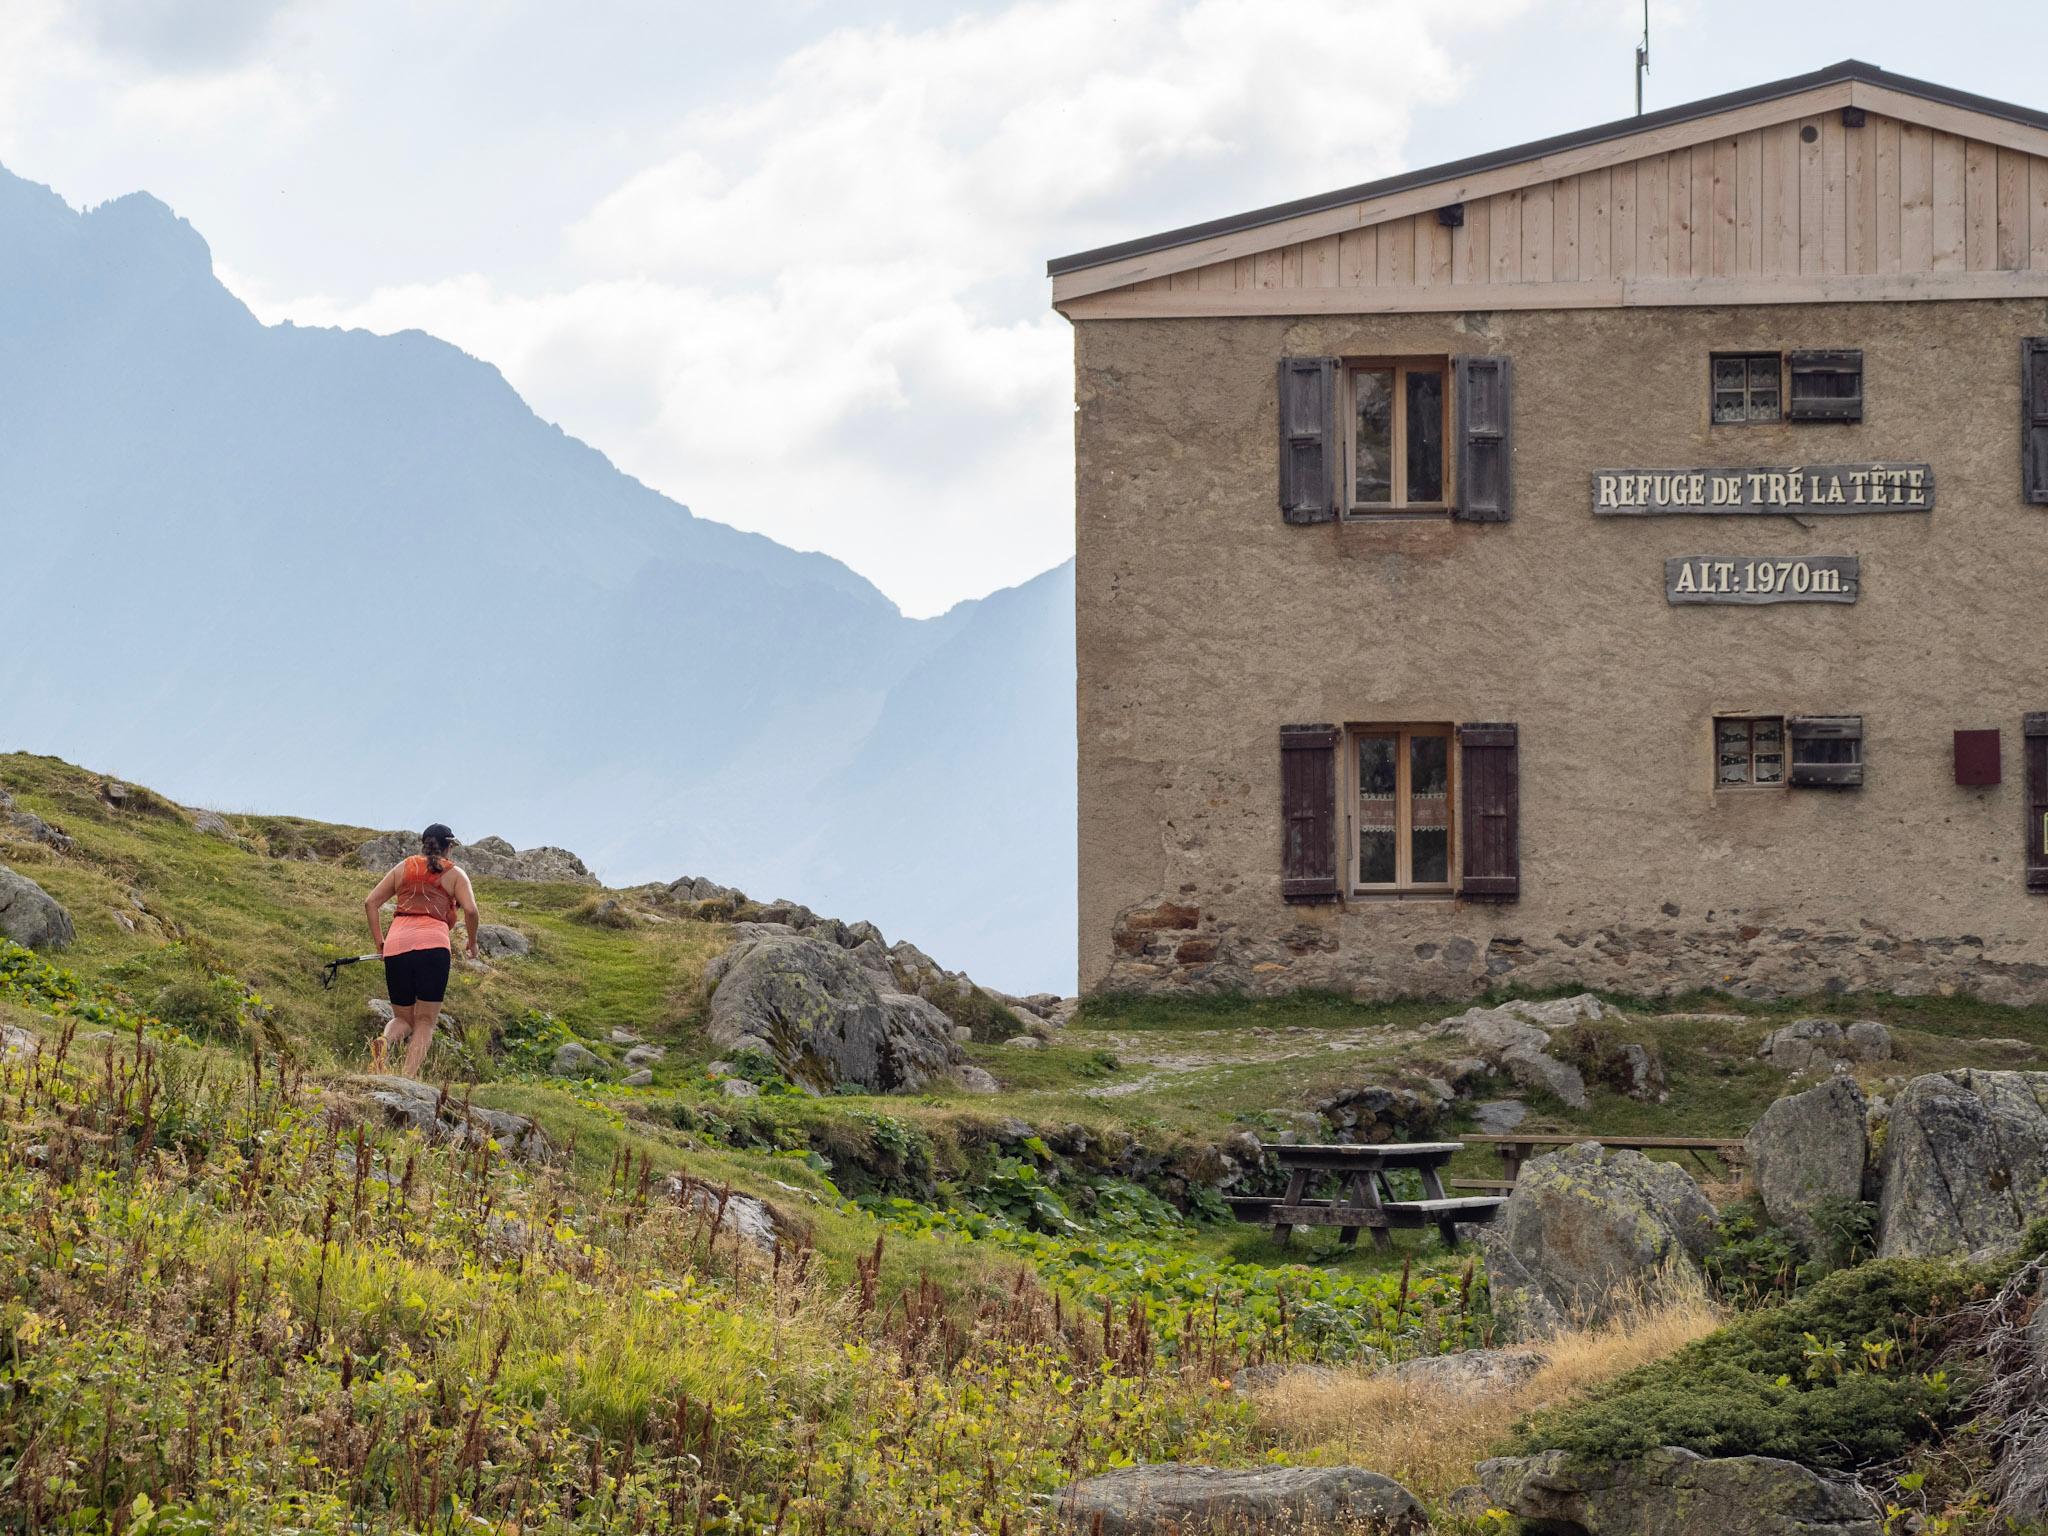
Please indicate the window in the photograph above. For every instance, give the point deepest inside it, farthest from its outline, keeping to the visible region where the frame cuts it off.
(1745, 387)
(1802, 751)
(1399, 416)
(1749, 751)
(1827, 750)
(1826, 386)
(1403, 815)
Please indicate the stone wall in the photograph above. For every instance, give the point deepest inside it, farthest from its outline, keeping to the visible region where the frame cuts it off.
(1204, 623)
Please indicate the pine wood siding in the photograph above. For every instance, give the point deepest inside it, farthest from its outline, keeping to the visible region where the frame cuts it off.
(1891, 209)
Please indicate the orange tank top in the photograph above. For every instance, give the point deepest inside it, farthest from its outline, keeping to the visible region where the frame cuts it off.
(425, 911)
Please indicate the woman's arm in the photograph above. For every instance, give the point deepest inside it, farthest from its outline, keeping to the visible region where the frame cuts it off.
(466, 898)
(373, 906)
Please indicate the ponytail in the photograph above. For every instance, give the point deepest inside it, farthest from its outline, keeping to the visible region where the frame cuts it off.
(434, 846)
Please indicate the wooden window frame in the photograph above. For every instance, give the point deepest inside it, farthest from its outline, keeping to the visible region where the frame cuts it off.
(1748, 357)
(1404, 815)
(1752, 721)
(1397, 505)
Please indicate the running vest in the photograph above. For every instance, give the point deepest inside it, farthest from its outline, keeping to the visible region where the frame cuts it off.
(420, 893)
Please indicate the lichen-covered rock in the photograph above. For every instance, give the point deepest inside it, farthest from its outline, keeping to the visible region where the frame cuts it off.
(575, 1059)
(820, 1017)
(1868, 1040)
(1471, 1372)
(497, 941)
(1805, 1045)
(31, 916)
(1809, 1148)
(1965, 1165)
(1674, 1492)
(1176, 1500)
(441, 1117)
(734, 1214)
(1514, 1038)
(1588, 1229)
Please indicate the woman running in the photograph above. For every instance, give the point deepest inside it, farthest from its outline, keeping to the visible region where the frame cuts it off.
(419, 948)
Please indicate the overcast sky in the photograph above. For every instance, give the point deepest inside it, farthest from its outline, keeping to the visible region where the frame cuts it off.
(784, 259)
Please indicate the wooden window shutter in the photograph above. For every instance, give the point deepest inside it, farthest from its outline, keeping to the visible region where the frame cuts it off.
(1826, 386)
(2034, 730)
(1310, 448)
(1308, 812)
(2034, 418)
(1490, 823)
(1485, 439)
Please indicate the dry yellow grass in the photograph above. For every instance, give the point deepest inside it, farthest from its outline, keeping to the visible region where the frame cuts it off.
(1428, 1438)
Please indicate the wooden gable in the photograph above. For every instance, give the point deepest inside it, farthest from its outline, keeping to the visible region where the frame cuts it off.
(1816, 198)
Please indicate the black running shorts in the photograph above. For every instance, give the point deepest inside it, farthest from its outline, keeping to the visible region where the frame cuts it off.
(417, 976)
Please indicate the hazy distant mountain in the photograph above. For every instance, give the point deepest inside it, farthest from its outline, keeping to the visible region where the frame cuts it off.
(356, 576)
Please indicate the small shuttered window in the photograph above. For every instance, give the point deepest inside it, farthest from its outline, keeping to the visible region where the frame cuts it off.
(2034, 730)
(1827, 751)
(1826, 386)
(2034, 419)
(1482, 388)
(1308, 812)
(1490, 830)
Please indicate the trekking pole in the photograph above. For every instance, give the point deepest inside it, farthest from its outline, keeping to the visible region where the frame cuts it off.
(333, 967)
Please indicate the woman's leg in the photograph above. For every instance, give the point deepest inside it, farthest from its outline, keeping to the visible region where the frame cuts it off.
(397, 1032)
(425, 1016)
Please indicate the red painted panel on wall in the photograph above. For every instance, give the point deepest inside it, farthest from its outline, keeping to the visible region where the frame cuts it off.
(1977, 757)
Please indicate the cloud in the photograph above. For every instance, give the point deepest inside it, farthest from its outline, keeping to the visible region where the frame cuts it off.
(181, 35)
(818, 309)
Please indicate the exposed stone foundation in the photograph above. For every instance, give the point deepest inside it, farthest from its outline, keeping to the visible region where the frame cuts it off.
(1176, 946)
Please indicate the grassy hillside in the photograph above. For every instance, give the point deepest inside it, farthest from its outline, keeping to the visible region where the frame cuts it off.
(234, 1298)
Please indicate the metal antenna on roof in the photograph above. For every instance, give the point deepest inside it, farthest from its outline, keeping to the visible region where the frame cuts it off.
(1643, 58)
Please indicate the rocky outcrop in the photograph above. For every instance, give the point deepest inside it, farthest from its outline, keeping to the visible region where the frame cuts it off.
(1175, 1500)
(1810, 1148)
(488, 858)
(1471, 1372)
(497, 942)
(408, 1103)
(985, 1014)
(26, 826)
(1965, 1163)
(822, 1018)
(31, 916)
(1675, 1492)
(1535, 1044)
(1807, 1046)
(1586, 1232)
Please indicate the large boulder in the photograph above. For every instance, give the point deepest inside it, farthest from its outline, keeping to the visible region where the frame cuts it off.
(1586, 1232)
(30, 915)
(1965, 1165)
(822, 1019)
(1806, 1045)
(1675, 1492)
(1515, 1038)
(1174, 1500)
(1810, 1148)
(488, 858)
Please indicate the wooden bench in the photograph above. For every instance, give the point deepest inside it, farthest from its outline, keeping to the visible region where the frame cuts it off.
(1371, 1204)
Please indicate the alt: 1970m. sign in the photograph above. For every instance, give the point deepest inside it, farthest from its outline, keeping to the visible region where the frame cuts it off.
(1814, 490)
(1763, 579)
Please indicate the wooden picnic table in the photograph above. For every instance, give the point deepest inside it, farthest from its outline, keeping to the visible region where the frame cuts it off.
(1517, 1147)
(1371, 1205)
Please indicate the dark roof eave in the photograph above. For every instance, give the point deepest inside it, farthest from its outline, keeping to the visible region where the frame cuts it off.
(1834, 74)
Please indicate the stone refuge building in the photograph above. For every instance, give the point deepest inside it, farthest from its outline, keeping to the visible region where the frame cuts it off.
(1618, 560)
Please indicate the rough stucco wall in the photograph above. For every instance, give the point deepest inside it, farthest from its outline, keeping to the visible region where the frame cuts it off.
(1204, 623)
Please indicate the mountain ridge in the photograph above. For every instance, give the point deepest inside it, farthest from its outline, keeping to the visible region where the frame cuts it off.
(358, 573)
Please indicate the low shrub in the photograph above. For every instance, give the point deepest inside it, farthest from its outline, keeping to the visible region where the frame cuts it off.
(1841, 1376)
(204, 1007)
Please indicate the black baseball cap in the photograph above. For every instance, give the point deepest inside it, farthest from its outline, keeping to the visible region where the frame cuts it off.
(438, 832)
